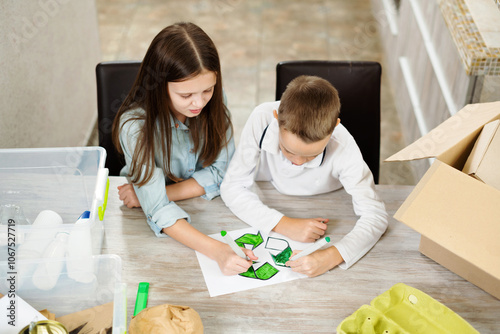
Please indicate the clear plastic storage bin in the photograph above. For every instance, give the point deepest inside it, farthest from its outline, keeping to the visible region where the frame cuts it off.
(68, 181)
(67, 295)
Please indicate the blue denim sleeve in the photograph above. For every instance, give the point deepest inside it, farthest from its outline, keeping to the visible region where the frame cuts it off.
(159, 211)
(211, 177)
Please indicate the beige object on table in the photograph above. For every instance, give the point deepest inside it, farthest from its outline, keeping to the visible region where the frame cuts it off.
(166, 319)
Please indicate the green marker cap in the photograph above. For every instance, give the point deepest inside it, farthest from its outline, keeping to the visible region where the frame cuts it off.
(223, 233)
(142, 297)
(327, 239)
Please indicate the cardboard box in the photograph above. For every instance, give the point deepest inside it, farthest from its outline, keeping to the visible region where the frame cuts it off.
(457, 215)
(484, 161)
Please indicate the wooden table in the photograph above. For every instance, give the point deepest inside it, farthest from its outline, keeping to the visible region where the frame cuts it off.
(310, 305)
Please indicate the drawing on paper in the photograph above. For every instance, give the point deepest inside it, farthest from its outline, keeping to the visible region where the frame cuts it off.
(283, 247)
(267, 270)
(273, 252)
(264, 272)
(250, 239)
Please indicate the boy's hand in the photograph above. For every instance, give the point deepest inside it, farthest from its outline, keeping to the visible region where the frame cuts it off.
(230, 263)
(302, 229)
(316, 263)
(128, 196)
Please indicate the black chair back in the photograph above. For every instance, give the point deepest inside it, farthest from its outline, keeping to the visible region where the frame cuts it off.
(358, 84)
(114, 81)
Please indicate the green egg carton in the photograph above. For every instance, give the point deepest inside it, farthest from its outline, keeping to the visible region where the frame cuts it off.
(403, 309)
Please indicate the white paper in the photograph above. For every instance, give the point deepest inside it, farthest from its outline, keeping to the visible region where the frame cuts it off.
(16, 317)
(220, 284)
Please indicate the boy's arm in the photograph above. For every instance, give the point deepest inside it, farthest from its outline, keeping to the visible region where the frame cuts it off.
(236, 187)
(302, 229)
(316, 263)
(357, 180)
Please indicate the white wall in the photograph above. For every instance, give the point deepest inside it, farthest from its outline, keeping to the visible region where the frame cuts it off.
(48, 53)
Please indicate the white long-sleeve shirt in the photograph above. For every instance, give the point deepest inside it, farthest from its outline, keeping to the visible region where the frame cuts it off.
(259, 158)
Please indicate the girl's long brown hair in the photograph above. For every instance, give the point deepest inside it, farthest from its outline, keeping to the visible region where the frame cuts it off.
(179, 52)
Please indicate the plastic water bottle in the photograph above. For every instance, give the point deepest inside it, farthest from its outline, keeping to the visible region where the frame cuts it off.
(48, 271)
(42, 232)
(80, 263)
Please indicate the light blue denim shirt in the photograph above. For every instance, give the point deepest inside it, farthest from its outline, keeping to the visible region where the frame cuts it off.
(159, 210)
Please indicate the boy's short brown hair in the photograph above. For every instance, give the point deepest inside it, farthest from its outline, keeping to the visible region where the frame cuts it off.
(309, 108)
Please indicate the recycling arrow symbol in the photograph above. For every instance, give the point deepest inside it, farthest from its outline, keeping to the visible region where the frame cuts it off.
(264, 272)
(250, 239)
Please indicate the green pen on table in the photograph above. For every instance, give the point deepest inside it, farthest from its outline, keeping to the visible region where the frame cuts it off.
(141, 300)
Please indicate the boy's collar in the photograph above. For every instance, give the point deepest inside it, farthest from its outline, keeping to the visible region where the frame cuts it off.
(269, 141)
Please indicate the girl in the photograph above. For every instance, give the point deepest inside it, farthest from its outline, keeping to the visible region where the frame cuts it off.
(176, 135)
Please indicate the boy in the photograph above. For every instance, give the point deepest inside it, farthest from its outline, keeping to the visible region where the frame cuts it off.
(293, 144)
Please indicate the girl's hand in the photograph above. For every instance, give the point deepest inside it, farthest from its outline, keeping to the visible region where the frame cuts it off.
(316, 263)
(302, 229)
(128, 196)
(230, 263)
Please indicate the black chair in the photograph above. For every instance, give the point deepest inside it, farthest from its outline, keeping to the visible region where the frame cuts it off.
(358, 84)
(114, 81)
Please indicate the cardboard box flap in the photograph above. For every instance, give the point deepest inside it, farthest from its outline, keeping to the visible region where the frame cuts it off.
(457, 212)
(484, 161)
(459, 128)
(480, 147)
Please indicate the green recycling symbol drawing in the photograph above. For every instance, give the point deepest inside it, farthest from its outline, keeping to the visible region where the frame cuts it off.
(266, 271)
(250, 239)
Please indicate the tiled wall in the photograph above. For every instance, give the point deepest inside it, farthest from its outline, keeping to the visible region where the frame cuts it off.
(477, 57)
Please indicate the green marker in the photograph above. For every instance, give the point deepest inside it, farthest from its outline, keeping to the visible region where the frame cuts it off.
(314, 247)
(233, 245)
(142, 297)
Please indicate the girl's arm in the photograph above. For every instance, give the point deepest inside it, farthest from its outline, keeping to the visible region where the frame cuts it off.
(175, 192)
(210, 177)
(228, 261)
(182, 231)
(152, 197)
(165, 217)
(183, 190)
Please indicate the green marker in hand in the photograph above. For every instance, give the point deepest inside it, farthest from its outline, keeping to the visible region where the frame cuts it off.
(233, 245)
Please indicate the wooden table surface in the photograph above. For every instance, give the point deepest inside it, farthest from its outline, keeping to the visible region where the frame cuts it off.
(309, 305)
